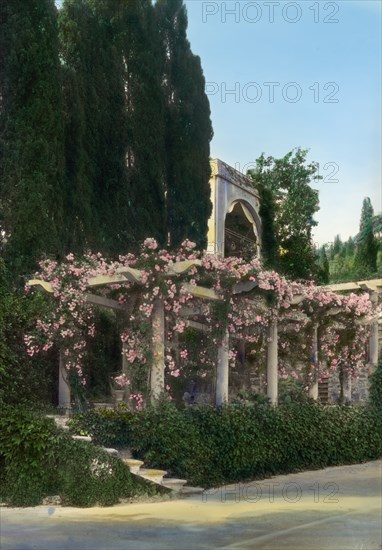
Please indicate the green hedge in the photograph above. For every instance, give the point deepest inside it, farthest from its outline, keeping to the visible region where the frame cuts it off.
(376, 388)
(234, 443)
(37, 460)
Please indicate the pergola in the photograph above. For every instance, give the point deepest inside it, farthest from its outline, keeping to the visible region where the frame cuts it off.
(131, 275)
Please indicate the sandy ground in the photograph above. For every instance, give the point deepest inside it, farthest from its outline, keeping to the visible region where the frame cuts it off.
(337, 508)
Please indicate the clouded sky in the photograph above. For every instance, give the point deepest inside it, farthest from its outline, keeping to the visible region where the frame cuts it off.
(287, 74)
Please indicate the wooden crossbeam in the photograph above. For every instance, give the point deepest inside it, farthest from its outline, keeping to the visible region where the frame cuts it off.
(375, 285)
(44, 285)
(101, 280)
(201, 292)
(105, 302)
(179, 268)
(245, 286)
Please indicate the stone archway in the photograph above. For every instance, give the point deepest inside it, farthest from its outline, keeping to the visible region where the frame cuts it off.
(234, 200)
(241, 234)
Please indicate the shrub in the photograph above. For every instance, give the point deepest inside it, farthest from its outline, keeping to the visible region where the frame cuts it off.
(37, 459)
(233, 443)
(22, 378)
(376, 388)
(108, 427)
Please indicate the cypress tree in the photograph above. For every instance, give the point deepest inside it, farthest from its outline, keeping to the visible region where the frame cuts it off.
(97, 184)
(367, 247)
(31, 151)
(142, 62)
(323, 266)
(77, 184)
(188, 129)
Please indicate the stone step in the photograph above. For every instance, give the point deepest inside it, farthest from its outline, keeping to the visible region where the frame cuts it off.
(134, 465)
(173, 483)
(112, 452)
(156, 476)
(60, 420)
(82, 438)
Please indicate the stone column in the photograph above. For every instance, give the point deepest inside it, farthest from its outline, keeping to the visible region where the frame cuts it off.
(272, 363)
(313, 389)
(125, 370)
(347, 387)
(157, 367)
(222, 371)
(373, 345)
(373, 339)
(64, 398)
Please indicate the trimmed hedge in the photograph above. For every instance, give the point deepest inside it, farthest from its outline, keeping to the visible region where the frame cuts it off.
(376, 388)
(37, 460)
(211, 446)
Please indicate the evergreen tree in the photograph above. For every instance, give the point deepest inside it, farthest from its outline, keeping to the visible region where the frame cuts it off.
(367, 214)
(323, 265)
(31, 133)
(367, 248)
(188, 129)
(143, 64)
(77, 185)
(96, 173)
(337, 245)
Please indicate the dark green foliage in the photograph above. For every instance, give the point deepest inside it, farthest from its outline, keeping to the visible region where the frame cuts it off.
(31, 133)
(142, 73)
(97, 193)
(211, 446)
(269, 241)
(290, 204)
(137, 125)
(23, 379)
(26, 456)
(366, 251)
(292, 391)
(323, 266)
(188, 129)
(37, 460)
(376, 388)
(360, 256)
(104, 128)
(108, 427)
(103, 356)
(78, 197)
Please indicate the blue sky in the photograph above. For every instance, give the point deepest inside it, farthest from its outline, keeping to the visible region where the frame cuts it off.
(322, 60)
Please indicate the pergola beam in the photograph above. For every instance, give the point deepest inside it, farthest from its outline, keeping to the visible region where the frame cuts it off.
(375, 285)
(104, 302)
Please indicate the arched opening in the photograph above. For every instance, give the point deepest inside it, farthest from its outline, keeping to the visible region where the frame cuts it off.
(240, 232)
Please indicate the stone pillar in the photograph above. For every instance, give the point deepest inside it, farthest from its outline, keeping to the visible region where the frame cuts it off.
(157, 367)
(373, 345)
(64, 398)
(313, 389)
(347, 387)
(272, 363)
(373, 339)
(222, 371)
(125, 370)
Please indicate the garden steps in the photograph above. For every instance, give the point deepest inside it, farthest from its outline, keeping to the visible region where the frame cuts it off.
(158, 476)
(174, 484)
(113, 452)
(60, 421)
(133, 464)
(82, 438)
(149, 474)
